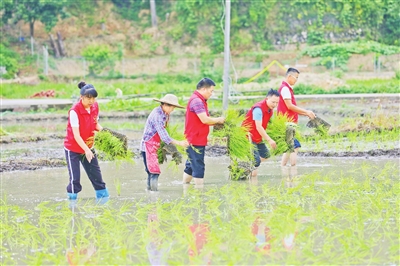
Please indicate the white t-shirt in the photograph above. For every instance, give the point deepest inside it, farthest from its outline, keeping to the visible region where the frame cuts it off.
(73, 118)
(285, 92)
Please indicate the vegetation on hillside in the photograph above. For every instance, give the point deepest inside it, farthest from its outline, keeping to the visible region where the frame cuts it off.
(256, 26)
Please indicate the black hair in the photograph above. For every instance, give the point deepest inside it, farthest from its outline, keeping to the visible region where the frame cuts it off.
(273, 92)
(292, 70)
(87, 89)
(205, 83)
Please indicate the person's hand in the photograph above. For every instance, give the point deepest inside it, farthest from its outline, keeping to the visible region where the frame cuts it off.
(272, 143)
(89, 155)
(310, 114)
(183, 143)
(220, 120)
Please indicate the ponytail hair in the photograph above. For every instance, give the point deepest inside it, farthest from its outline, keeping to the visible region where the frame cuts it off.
(87, 89)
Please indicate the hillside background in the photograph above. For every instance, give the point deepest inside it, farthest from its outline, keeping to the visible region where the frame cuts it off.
(120, 39)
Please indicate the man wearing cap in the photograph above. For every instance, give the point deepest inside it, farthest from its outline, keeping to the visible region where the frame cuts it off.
(154, 132)
(197, 127)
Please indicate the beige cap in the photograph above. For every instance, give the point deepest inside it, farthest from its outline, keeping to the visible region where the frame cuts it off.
(170, 99)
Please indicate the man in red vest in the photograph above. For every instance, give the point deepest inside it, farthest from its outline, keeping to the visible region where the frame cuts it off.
(197, 127)
(256, 121)
(287, 106)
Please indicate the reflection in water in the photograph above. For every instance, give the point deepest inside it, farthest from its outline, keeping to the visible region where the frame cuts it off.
(262, 234)
(289, 174)
(78, 253)
(157, 252)
(264, 237)
(200, 234)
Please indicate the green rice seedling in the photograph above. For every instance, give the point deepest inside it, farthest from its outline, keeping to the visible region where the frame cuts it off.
(117, 184)
(277, 130)
(162, 152)
(240, 148)
(112, 148)
(346, 218)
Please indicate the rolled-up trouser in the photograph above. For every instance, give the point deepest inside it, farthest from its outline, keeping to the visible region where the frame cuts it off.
(92, 169)
(260, 151)
(195, 163)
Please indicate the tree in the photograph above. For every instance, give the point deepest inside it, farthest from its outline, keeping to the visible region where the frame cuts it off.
(100, 58)
(30, 11)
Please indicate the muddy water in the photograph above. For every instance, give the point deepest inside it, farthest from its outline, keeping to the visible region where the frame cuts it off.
(28, 188)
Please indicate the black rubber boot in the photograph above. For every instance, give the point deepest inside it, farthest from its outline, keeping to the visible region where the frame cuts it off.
(148, 181)
(154, 182)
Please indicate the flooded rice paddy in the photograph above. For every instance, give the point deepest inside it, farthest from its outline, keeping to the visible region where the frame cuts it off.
(324, 211)
(339, 206)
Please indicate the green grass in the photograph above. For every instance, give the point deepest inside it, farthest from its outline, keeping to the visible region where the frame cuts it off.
(162, 84)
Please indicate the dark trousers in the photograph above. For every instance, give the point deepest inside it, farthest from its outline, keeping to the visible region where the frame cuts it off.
(92, 169)
(195, 165)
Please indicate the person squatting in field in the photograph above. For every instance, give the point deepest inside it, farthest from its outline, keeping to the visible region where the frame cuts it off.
(154, 132)
(197, 128)
(79, 143)
(256, 122)
(287, 106)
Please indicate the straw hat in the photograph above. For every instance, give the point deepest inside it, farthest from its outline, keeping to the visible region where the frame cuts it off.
(170, 99)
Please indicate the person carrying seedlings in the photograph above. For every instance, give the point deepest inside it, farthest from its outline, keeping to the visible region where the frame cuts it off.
(287, 106)
(256, 121)
(197, 128)
(79, 142)
(154, 132)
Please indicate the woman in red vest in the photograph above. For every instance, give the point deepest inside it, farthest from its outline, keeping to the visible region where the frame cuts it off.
(287, 106)
(256, 120)
(197, 127)
(78, 144)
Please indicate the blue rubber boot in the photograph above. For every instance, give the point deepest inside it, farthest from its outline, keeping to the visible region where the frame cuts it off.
(72, 196)
(102, 196)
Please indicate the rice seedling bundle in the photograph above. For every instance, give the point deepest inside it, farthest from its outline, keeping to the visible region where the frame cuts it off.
(277, 129)
(175, 150)
(112, 147)
(240, 148)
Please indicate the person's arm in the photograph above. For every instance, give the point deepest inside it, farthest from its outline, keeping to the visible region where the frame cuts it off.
(77, 136)
(183, 143)
(74, 120)
(298, 110)
(264, 134)
(257, 116)
(210, 120)
(99, 127)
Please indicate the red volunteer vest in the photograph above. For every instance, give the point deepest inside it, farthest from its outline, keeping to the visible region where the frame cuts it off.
(195, 131)
(87, 126)
(282, 108)
(251, 124)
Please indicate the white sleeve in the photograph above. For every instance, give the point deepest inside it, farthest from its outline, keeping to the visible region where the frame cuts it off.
(286, 93)
(73, 119)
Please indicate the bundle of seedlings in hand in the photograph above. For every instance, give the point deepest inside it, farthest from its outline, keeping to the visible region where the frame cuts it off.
(113, 145)
(240, 148)
(321, 127)
(175, 151)
(282, 131)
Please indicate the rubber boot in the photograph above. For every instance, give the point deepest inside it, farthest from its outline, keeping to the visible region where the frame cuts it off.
(148, 181)
(72, 196)
(102, 196)
(154, 182)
